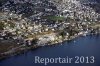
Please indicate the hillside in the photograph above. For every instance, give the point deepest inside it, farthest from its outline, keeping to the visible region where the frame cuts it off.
(79, 10)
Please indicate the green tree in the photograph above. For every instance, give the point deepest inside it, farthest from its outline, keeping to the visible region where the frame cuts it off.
(2, 25)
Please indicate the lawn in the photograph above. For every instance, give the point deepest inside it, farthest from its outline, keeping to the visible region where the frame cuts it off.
(55, 18)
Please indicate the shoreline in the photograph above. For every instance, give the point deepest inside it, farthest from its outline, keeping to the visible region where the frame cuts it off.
(28, 48)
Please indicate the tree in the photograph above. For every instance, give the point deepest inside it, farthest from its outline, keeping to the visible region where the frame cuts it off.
(63, 34)
(2, 25)
(34, 41)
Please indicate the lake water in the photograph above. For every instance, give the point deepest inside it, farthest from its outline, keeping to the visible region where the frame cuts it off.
(82, 46)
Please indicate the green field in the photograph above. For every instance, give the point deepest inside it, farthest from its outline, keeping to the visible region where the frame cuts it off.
(55, 18)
